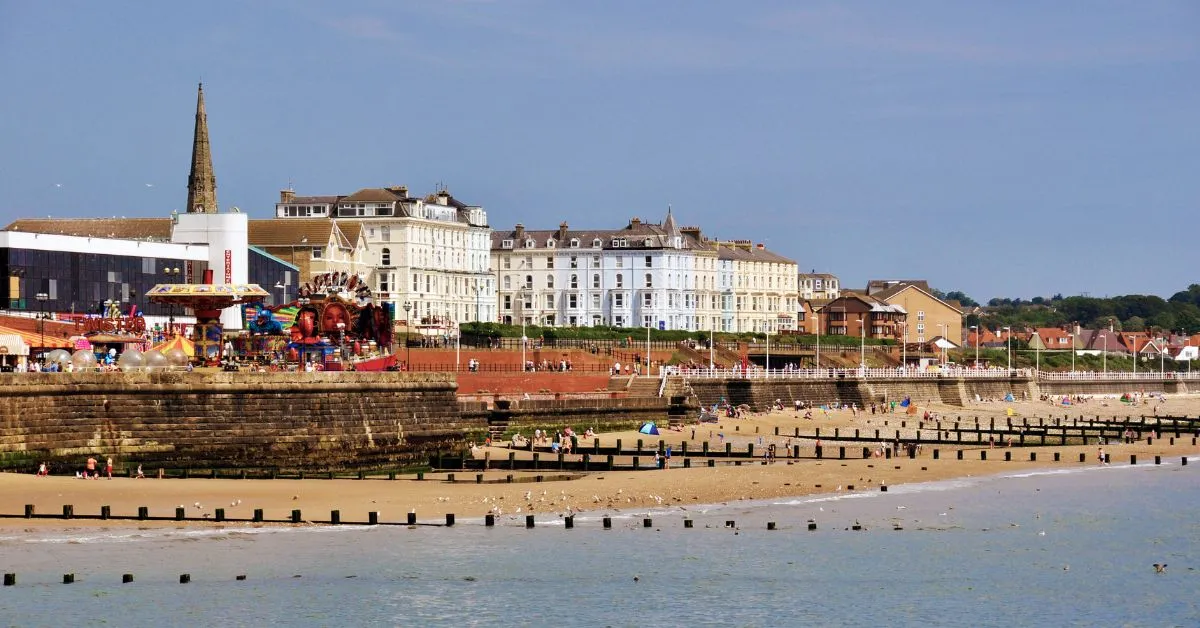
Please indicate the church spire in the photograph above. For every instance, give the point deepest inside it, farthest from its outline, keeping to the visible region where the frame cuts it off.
(202, 183)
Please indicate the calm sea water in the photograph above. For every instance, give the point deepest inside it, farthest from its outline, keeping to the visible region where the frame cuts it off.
(1052, 549)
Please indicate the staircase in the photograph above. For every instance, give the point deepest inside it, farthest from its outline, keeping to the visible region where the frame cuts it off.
(644, 387)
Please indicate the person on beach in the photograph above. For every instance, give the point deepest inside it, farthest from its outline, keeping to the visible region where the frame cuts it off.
(1100, 455)
(667, 458)
(42, 471)
(91, 468)
(108, 468)
(140, 475)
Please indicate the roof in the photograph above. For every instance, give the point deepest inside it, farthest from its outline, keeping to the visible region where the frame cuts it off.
(873, 304)
(290, 232)
(158, 229)
(751, 254)
(879, 285)
(896, 288)
(371, 195)
(817, 276)
(636, 233)
(313, 200)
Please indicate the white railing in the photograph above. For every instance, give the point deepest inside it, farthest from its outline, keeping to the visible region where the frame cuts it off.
(914, 373)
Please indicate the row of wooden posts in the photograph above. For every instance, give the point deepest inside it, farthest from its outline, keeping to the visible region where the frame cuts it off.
(335, 517)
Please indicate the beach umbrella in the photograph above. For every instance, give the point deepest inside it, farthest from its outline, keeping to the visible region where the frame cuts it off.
(649, 428)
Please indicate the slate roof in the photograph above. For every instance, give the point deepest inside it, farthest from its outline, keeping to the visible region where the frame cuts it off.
(149, 229)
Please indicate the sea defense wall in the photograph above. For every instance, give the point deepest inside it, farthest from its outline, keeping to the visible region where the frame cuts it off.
(526, 415)
(285, 421)
(759, 394)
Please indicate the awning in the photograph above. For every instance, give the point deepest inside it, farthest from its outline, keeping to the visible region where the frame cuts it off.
(12, 344)
(36, 339)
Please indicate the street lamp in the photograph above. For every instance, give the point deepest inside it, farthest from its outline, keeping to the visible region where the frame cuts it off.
(817, 321)
(976, 328)
(1105, 359)
(862, 346)
(407, 327)
(42, 297)
(1072, 337)
(1162, 358)
(284, 287)
(1009, 330)
(768, 334)
(173, 276)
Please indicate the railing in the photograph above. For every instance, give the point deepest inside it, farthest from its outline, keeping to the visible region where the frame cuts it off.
(913, 373)
(507, 368)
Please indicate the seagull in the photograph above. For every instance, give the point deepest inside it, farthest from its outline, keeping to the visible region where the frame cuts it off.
(149, 185)
(58, 185)
(1042, 533)
(1160, 568)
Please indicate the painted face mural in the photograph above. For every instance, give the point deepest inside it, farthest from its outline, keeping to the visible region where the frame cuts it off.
(335, 318)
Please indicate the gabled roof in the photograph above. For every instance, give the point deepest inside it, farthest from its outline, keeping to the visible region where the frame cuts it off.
(879, 285)
(154, 229)
(311, 232)
(371, 195)
(894, 289)
(636, 235)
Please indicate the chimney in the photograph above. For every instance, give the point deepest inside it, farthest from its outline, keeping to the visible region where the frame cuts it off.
(634, 222)
(520, 231)
(287, 196)
(760, 246)
(443, 197)
(562, 231)
(692, 232)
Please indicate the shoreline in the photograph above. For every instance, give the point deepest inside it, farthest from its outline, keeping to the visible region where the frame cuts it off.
(604, 493)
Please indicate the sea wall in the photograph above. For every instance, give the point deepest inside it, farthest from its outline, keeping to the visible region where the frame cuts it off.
(759, 394)
(308, 421)
(600, 413)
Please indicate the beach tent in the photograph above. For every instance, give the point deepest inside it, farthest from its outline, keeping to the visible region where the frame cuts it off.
(649, 428)
(1009, 397)
(906, 402)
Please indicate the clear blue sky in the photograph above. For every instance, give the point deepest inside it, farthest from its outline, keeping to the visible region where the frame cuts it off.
(1000, 148)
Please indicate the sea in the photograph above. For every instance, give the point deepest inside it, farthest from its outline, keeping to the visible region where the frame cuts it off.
(1036, 548)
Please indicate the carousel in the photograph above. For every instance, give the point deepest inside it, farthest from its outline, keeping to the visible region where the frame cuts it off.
(208, 344)
(333, 324)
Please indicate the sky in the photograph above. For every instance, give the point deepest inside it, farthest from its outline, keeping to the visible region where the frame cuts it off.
(999, 148)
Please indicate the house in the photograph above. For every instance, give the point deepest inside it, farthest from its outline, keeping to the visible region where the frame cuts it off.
(816, 285)
(1099, 341)
(928, 316)
(854, 314)
(1051, 339)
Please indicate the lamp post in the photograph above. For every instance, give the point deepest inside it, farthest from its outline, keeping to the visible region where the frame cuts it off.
(1009, 339)
(904, 346)
(862, 345)
(817, 321)
(648, 327)
(710, 349)
(42, 297)
(976, 328)
(768, 334)
(945, 330)
(407, 329)
(173, 276)
(284, 287)
(1105, 358)
(1162, 358)
(1072, 337)
(342, 341)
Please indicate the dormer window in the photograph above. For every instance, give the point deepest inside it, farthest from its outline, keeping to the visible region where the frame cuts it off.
(550, 243)
(529, 244)
(597, 243)
(574, 243)
(648, 242)
(506, 244)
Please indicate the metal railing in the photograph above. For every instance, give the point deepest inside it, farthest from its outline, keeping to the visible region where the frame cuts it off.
(914, 373)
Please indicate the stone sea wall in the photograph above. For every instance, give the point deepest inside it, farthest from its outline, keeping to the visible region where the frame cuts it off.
(760, 393)
(289, 421)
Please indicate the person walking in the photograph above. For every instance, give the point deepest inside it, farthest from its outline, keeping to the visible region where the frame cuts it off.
(108, 468)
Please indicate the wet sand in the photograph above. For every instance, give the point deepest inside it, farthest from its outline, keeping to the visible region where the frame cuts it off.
(682, 488)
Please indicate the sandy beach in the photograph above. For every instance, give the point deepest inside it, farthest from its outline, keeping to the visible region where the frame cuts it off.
(679, 488)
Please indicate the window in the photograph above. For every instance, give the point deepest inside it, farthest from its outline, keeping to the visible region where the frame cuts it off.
(574, 243)
(574, 262)
(549, 261)
(649, 261)
(649, 280)
(647, 299)
(595, 301)
(316, 252)
(618, 300)
(550, 281)
(920, 328)
(384, 284)
(549, 301)
(508, 301)
(620, 280)
(550, 243)
(620, 262)
(507, 263)
(385, 257)
(574, 281)
(920, 315)
(529, 282)
(573, 301)
(529, 243)
(506, 244)
(507, 282)
(416, 282)
(597, 243)
(596, 280)
(595, 261)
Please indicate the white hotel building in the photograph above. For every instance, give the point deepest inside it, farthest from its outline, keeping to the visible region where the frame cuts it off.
(643, 275)
(431, 253)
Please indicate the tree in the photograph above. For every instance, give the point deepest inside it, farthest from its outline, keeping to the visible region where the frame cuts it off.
(1134, 323)
(961, 297)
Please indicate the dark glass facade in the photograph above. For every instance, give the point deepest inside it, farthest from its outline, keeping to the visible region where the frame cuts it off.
(82, 282)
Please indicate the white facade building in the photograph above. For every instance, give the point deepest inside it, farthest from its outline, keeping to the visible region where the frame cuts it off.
(432, 253)
(643, 275)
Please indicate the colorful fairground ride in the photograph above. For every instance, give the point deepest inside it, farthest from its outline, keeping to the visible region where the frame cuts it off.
(333, 324)
(210, 341)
